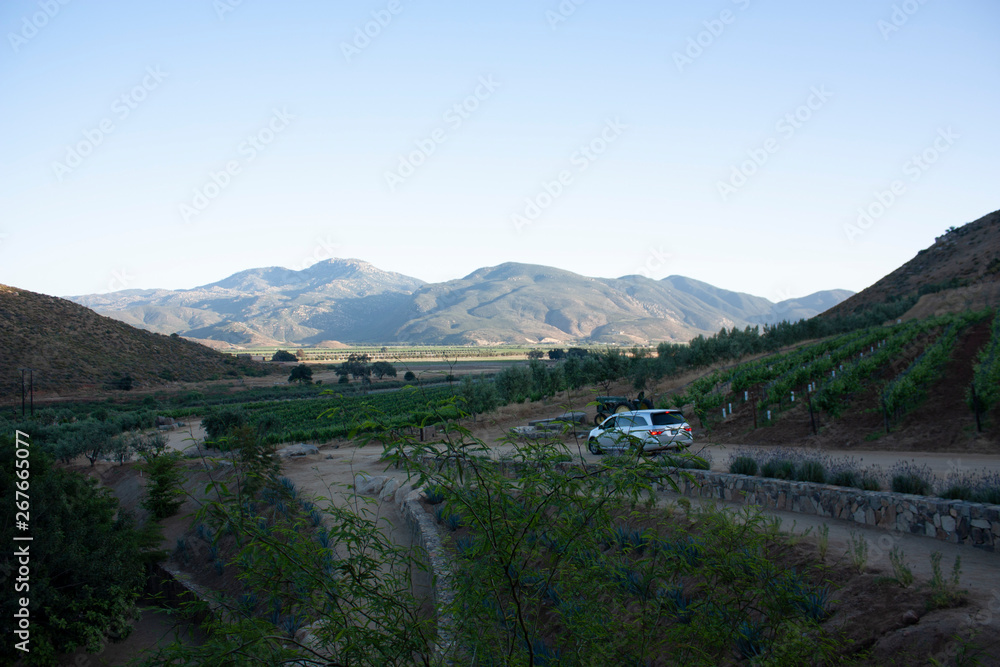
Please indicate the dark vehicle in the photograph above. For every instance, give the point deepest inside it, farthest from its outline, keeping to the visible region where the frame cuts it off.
(609, 405)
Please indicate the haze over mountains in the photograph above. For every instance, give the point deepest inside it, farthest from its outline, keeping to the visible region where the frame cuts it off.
(352, 301)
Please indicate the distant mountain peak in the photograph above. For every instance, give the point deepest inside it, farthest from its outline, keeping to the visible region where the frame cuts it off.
(354, 301)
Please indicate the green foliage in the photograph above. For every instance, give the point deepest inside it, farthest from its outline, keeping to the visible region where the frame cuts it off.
(409, 376)
(907, 390)
(301, 373)
(381, 369)
(945, 592)
(823, 540)
(164, 494)
(478, 395)
(910, 478)
(735, 343)
(149, 445)
(85, 561)
(984, 393)
(900, 570)
(811, 471)
(219, 422)
(513, 384)
(549, 558)
(283, 355)
(743, 465)
(778, 469)
(342, 575)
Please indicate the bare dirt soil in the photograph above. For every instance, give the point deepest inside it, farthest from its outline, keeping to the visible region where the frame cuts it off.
(941, 424)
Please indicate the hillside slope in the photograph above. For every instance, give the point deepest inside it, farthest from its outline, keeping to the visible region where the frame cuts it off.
(72, 347)
(962, 263)
(353, 301)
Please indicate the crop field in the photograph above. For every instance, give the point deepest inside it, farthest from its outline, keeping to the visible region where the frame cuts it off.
(336, 415)
(390, 353)
(900, 362)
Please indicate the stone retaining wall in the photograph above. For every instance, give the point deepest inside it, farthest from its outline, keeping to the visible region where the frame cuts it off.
(426, 535)
(954, 521)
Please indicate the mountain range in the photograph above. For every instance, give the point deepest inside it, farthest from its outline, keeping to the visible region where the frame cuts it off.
(351, 301)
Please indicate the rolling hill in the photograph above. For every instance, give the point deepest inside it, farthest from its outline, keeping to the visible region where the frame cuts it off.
(960, 271)
(353, 301)
(72, 347)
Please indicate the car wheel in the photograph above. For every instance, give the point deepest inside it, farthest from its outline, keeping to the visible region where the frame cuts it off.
(594, 447)
(623, 407)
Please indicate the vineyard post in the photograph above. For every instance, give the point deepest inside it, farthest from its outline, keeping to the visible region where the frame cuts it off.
(885, 414)
(755, 411)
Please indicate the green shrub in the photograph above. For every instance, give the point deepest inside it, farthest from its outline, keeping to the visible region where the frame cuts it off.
(987, 495)
(221, 422)
(86, 568)
(743, 465)
(164, 494)
(911, 483)
(869, 483)
(958, 492)
(409, 376)
(848, 478)
(811, 471)
(778, 469)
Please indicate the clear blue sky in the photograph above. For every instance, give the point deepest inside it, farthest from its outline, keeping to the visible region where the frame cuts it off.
(832, 99)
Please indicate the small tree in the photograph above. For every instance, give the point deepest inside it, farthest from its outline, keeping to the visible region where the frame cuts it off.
(93, 440)
(164, 494)
(282, 355)
(219, 423)
(513, 384)
(535, 354)
(149, 446)
(301, 373)
(556, 354)
(122, 446)
(124, 383)
(383, 368)
(409, 376)
(86, 566)
(478, 396)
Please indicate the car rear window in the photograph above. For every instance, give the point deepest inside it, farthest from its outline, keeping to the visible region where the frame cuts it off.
(667, 418)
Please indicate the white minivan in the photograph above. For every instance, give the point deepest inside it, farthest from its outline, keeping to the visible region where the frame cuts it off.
(654, 430)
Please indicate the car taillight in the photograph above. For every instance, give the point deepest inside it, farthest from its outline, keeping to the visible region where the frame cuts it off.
(656, 432)
(687, 428)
